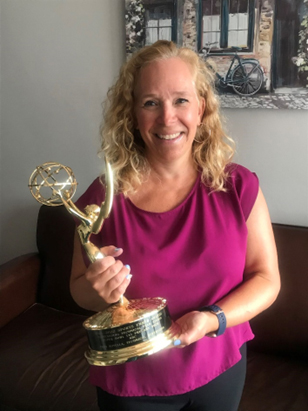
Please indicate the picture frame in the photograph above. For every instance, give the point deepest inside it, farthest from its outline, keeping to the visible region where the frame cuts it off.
(258, 48)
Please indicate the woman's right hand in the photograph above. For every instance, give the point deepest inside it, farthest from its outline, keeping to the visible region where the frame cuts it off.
(109, 277)
(101, 283)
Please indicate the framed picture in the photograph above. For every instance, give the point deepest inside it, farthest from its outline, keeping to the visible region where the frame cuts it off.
(258, 48)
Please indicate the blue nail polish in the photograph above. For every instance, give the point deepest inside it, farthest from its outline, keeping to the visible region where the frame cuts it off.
(177, 342)
(127, 266)
(117, 249)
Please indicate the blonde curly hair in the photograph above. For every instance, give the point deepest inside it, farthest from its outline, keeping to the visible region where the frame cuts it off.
(122, 144)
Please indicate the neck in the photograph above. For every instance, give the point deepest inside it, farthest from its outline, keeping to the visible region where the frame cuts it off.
(166, 187)
(178, 169)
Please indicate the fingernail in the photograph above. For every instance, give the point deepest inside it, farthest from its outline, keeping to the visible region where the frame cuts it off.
(177, 342)
(129, 276)
(117, 249)
(127, 266)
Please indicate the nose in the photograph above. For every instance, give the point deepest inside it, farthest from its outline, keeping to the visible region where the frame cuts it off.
(167, 114)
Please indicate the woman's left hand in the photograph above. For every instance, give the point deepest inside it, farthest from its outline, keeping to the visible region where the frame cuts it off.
(195, 325)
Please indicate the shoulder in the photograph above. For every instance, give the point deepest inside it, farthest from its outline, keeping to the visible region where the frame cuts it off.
(241, 177)
(240, 173)
(245, 184)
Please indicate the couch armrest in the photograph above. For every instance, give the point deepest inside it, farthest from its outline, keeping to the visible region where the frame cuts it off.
(18, 286)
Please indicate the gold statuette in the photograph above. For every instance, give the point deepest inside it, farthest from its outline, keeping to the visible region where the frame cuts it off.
(127, 330)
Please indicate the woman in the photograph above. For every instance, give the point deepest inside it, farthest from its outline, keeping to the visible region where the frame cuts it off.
(194, 228)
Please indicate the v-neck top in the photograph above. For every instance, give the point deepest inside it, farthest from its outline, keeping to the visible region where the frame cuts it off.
(192, 255)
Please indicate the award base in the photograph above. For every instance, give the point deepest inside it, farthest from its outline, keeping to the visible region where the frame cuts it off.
(129, 331)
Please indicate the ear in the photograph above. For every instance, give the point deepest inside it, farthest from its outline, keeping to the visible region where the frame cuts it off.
(201, 108)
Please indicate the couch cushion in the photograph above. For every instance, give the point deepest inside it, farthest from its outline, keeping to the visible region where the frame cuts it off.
(283, 328)
(42, 363)
(55, 242)
(275, 383)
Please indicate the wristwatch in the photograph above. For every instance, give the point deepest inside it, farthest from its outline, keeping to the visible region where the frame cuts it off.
(214, 309)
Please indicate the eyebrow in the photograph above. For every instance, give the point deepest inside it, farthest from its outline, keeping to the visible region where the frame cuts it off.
(176, 93)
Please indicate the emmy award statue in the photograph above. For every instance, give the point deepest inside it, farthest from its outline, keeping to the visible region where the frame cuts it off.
(128, 329)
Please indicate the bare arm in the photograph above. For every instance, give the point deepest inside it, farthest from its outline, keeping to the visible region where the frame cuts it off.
(261, 277)
(102, 283)
(259, 289)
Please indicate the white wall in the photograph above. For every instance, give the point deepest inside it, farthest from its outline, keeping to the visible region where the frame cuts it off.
(274, 144)
(58, 58)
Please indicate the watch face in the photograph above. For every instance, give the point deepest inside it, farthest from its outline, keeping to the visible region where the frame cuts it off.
(211, 308)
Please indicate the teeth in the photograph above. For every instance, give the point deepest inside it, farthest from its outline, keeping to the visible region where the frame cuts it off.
(168, 136)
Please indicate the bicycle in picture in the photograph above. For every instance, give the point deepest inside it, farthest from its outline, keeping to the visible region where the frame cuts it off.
(245, 76)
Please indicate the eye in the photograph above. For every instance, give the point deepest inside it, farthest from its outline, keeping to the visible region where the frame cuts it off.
(181, 101)
(149, 103)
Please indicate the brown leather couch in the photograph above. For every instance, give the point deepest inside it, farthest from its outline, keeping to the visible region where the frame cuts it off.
(42, 340)
(277, 371)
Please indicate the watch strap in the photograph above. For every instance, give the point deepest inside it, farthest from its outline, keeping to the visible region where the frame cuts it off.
(222, 321)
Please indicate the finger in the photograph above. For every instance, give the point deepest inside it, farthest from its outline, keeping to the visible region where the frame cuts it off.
(120, 291)
(178, 343)
(109, 277)
(120, 281)
(190, 336)
(99, 267)
(102, 264)
(111, 274)
(186, 337)
(111, 251)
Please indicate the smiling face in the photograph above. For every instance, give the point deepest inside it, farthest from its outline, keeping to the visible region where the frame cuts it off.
(167, 109)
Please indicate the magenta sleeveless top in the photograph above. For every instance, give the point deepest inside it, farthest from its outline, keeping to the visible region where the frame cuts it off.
(192, 255)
